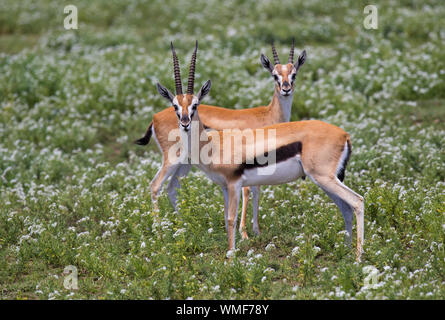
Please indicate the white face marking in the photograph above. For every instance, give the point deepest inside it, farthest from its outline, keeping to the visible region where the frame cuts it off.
(190, 107)
(190, 110)
(175, 103)
(280, 78)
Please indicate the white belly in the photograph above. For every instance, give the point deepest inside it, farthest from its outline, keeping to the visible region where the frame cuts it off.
(282, 172)
(215, 177)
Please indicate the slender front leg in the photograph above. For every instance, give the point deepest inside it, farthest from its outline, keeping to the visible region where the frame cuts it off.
(226, 205)
(242, 225)
(157, 183)
(234, 191)
(173, 185)
(256, 203)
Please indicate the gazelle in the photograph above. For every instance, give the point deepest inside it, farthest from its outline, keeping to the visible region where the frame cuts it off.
(278, 110)
(304, 148)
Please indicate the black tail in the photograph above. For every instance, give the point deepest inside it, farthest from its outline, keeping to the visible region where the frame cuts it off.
(341, 172)
(145, 139)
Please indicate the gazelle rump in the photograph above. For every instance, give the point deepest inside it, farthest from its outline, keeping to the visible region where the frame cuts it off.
(304, 148)
(279, 110)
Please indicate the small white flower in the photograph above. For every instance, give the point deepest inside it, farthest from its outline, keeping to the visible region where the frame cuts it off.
(295, 251)
(179, 232)
(230, 253)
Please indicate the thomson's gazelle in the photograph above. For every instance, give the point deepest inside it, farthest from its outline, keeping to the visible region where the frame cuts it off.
(292, 150)
(279, 110)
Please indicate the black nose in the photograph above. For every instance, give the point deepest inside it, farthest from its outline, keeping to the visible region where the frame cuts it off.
(185, 126)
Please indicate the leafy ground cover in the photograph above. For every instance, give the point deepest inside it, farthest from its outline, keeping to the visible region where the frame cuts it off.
(74, 190)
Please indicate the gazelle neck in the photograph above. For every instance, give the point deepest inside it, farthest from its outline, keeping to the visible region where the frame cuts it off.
(194, 139)
(281, 106)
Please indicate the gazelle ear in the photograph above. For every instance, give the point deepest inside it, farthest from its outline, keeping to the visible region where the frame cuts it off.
(205, 89)
(163, 91)
(301, 60)
(266, 63)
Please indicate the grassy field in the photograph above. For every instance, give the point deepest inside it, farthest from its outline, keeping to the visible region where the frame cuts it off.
(74, 189)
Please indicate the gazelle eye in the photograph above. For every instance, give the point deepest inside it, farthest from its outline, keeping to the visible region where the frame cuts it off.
(275, 77)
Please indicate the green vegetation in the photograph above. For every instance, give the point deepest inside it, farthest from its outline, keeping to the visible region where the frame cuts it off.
(74, 190)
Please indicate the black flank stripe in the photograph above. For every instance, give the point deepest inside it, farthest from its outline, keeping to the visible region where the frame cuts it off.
(282, 154)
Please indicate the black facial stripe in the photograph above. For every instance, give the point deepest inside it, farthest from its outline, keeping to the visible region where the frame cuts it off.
(277, 80)
(281, 154)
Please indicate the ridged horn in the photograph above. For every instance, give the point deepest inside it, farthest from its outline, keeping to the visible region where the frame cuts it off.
(291, 53)
(275, 55)
(191, 79)
(178, 83)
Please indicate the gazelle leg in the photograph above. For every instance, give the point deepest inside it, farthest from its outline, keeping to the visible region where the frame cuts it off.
(347, 213)
(226, 205)
(157, 183)
(242, 225)
(256, 203)
(234, 191)
(255, 200)
(333, 186)
(173, 185)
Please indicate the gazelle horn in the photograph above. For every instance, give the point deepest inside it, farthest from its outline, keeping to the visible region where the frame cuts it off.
(291, 53)
(178, 83)
(191, 79)
(275, 55)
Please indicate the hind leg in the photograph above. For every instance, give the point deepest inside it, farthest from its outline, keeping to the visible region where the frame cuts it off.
(347, 213)
(333, 186)
(173, 185)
